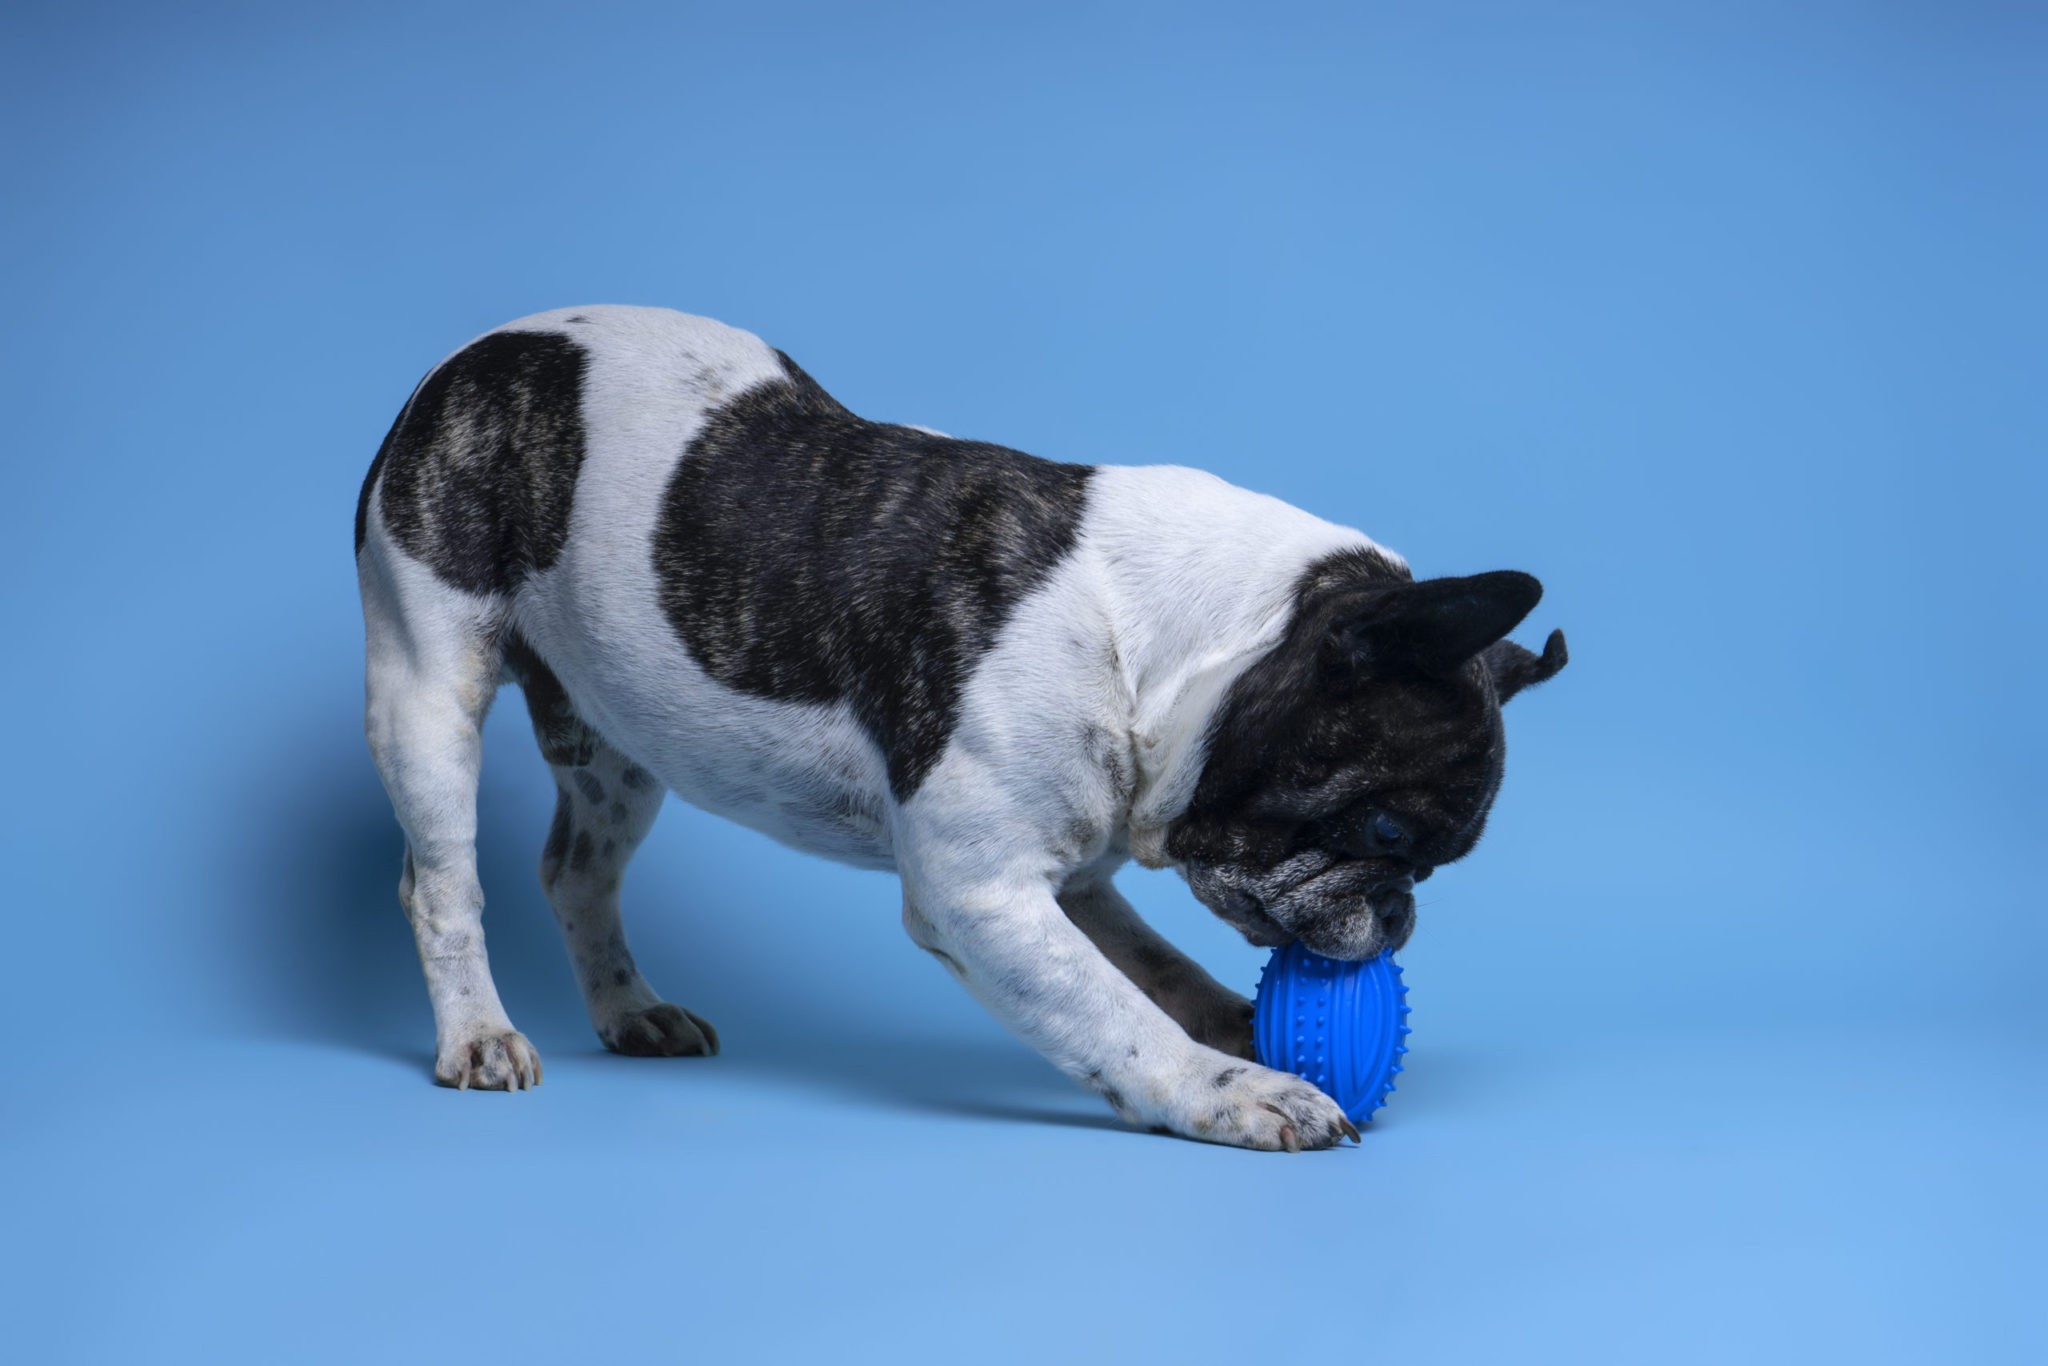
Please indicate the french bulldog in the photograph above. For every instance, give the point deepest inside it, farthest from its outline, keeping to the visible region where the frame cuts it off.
(999, 676)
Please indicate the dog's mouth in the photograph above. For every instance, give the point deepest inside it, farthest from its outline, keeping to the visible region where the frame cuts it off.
(1346, 909)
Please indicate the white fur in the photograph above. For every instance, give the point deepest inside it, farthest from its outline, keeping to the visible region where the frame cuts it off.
(1079, 737)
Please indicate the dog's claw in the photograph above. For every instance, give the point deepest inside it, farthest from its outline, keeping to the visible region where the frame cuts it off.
(1288, 1139)
(1350, 1130)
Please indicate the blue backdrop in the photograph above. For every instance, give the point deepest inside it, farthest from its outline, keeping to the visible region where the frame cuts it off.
(1725, 320)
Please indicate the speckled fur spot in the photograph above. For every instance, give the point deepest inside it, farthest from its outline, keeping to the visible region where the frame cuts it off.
(479, 471)
(892, 560)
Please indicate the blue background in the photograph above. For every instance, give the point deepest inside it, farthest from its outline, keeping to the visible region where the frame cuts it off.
(1724, 319)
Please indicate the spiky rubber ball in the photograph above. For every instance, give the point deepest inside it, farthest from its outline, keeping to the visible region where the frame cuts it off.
(1340, 1026)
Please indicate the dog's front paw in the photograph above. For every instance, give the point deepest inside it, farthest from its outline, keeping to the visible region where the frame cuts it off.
(488, 1060)
(1249, 1106)
(660, 1031)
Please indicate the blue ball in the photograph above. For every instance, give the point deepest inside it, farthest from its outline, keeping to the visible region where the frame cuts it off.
(1334, 1024)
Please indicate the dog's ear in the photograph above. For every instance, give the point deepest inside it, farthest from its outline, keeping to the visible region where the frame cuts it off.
(1435, 625)
(1514, 668)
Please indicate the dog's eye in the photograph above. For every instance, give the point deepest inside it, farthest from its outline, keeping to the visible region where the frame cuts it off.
(1389, 832)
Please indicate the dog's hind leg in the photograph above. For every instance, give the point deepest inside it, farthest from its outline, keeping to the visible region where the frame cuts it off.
(432, 672)
(604, 806)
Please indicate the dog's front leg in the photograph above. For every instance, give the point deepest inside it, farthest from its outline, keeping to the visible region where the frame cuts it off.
(1020, 955)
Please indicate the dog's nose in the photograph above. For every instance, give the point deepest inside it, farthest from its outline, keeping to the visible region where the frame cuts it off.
(1393, 911)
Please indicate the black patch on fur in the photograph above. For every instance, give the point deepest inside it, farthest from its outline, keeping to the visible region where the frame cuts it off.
(637, 778)
(589, 786)
(479, 471)
(1377, 700)
(1513, 668)
(619, 813)
(552, 852)
(1225, 1077)
(370, 483)
(377, 468)
(808, 555)
(580, 853)
(565, 741)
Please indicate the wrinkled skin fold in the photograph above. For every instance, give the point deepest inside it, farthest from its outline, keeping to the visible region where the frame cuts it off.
(1347, 909)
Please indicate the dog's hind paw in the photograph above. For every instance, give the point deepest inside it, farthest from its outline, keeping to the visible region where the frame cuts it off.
(661, 1031)
(489, 1060)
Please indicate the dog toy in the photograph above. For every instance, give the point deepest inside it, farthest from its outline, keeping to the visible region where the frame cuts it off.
(1336, 1025)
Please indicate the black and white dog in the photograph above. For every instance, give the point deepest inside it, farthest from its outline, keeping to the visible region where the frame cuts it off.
(997, 675)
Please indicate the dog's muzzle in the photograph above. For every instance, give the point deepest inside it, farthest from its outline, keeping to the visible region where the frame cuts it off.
(1232, 898)
(1349, 909)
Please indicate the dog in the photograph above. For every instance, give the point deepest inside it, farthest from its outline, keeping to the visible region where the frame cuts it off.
(999, 676)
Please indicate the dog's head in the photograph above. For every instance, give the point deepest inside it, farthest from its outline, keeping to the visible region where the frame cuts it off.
(1358, 756)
